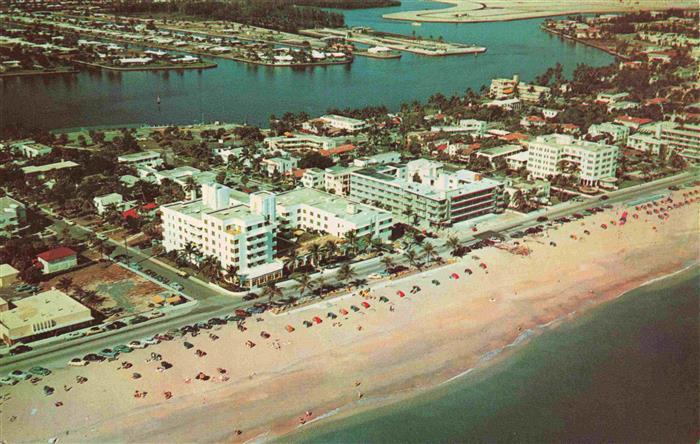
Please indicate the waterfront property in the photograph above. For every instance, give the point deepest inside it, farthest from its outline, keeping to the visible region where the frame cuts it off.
(476, 128)
(311, 209)
(426, 192)
(43, 314)
(509, 88)
(237, 229)
(300, 142)
(555, 154)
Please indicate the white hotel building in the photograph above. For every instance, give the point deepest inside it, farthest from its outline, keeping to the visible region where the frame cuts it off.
(426, 191)
(343, 123)
(143, 159)
(596, 161)
(236, 228)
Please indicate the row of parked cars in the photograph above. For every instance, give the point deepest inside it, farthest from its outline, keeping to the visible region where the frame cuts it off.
(16, 376)
(155, 276)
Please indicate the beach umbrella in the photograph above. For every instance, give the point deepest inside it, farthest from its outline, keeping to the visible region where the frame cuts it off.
(354, 308)
(307, 324)
(331, 315)
(400, 293)
(384, 299)
(603, 226)
(468, 270)
(289, 328)
(483, 265)
(365, 304)
(343, 311)
(454, 276)
(317, 319)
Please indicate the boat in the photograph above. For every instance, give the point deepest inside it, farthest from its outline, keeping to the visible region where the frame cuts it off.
(416, 24)
(158, 100)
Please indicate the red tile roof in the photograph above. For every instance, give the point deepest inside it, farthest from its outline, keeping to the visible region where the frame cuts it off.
(338, 150)
(298, 172)
(637, 120)
(56, 254)
(513, 136)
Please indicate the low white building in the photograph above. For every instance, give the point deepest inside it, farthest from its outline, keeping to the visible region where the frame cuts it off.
(313, 178)
(476, 128)
(300, 142)
(344, 123)
(43, 314)
(151, 159)
(58, 259)
(280, 165)
(13, 215)
(311, 209)
(377, 159)
(518, 160)
(500, 152)
(336, 179)
(30, 149)
(103, 203)
(618, 133)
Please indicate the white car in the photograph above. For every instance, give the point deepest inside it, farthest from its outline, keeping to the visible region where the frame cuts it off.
(150, 341)
(75, 334)
(8, 381)
(137, 344)
(374, 276)
(77, 362)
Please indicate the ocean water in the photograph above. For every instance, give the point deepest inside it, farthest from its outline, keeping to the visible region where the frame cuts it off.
(624, 372)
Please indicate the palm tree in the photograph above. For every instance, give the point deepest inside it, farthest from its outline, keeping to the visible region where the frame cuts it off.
(351, 238)
(454, 243)
(345, 273)
(271, 291)
(388, 263)
(211, 267)
(331, 247)
(105, 249)
(315, 251)
(320, 283)
(64, 283)
(232, 274)
(429, 251)
(411, 257)
(188, 253)
(305, 283)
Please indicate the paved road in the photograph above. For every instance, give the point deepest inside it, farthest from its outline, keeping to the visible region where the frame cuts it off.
(212, 303)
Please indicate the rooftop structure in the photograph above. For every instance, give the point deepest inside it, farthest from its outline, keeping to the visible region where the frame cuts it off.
(42, 314)
(57, 259)
(31, 149)
(425, 191)
(300, 142)
(499, 152)
(41, 169)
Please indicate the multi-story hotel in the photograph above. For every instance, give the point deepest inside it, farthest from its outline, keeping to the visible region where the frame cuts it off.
(143, 159)
(681, 139)
(425, 191)
(595, 161)
(300, 142)
(236, 228)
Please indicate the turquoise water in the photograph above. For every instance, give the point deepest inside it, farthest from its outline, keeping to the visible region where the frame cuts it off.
(625, 372)
(240, 92)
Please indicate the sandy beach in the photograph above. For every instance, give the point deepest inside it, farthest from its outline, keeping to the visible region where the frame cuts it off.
(361, 360)
(464, 11)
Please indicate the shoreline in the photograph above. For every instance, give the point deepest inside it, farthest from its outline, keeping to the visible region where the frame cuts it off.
(205, 65)
(431, 337)
(487, 11)
(8, 75)
(484, 362)
(588, 43)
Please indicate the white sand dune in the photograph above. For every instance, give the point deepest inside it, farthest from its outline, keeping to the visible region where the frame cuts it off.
(503, 10)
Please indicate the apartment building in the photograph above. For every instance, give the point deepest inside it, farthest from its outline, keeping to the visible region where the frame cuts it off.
(426, 192)
(645, 142)
(236, 228)
(310, 209)
(343, 123)
(300, 142)
(57, 259)
(13, 215)
(336, 179)
(103, 203)
(681, 139)
(594, 161)
(144, 159)
(476, 128)
(313, 178)
(618, 133)
(509, 88)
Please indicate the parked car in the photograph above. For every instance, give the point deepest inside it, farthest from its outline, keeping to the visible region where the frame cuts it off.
(542, 219)
(77, 362)
(138, 319)
(94, 330)
(137, 344)
(75, 334)
(20, 349)
(150, 341)
(19, 375)
(8, 381)
(176, 286)
(39, 371)
(116, 325)
(123, 349)
(250, 296)
(108, 353)
(93, 357)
